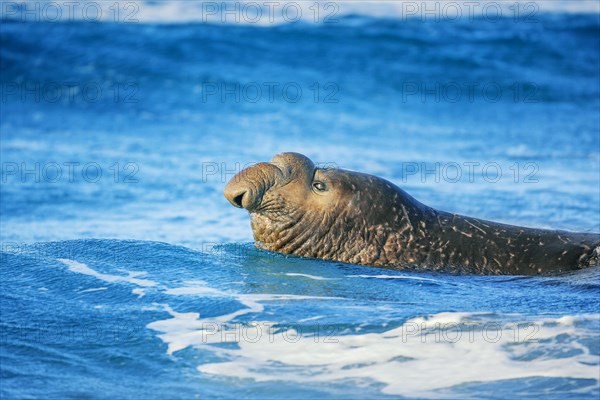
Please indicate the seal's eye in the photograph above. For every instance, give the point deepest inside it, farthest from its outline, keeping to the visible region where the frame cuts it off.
(319, 186)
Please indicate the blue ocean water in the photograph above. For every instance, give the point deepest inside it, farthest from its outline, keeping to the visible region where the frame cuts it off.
(126, 274)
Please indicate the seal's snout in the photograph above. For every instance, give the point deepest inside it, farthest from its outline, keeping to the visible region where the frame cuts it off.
(236, 196)
(240, 193)
(246, 189)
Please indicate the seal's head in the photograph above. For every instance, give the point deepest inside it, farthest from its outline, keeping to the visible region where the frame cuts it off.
(329, 213)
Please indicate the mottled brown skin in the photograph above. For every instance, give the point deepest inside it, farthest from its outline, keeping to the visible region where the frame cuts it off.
(357, 218)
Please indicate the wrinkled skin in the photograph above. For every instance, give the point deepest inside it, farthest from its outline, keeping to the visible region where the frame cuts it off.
(357, 218)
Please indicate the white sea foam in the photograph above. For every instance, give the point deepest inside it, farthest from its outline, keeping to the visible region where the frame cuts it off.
(314, 277)
(416, 278)
(90, 290)
(316, 317)
(250, 12)
(81, 268)
(406, 358)
(455, 347)
(195, 288)
(188, 329)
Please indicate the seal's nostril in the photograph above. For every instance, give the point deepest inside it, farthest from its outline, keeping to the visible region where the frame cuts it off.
(237, 200)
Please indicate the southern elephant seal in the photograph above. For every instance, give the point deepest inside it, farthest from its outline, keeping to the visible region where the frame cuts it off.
(356, 218)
